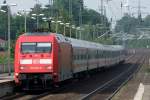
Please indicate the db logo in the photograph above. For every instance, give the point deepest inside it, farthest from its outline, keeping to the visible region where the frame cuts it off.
(36, 61)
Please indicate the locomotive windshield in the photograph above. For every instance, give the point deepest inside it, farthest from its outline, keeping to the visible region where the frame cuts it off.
(36, 47)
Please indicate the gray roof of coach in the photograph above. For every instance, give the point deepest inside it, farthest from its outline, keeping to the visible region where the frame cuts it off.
(87, 44)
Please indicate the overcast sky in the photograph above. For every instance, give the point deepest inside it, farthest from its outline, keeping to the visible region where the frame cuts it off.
(113, 7)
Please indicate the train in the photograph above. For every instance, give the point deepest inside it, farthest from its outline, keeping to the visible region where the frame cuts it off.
(45, 59)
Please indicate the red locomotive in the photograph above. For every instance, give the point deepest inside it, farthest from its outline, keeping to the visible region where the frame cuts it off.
(44, 59)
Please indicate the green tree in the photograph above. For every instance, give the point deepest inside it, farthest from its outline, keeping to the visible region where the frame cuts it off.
(127, 24)
(59, 11)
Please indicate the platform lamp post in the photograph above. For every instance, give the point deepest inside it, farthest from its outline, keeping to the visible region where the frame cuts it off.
(37, 18)
(53, 22)
(18, 14)
(70, 29)
(81, 30)
(73, 28)
(25, 18)
(9, 14)
(57, 25)
(77, 29)
(65, 25)
(49, 20)
(64, 28)
(68, 25)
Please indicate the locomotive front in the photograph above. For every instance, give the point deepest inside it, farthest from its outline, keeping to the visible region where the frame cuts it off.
(34, 61)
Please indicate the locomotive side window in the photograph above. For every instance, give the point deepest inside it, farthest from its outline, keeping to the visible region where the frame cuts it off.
(35, 47)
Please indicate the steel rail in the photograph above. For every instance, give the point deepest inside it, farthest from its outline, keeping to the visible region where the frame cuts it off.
(102, 87)
(126, 81)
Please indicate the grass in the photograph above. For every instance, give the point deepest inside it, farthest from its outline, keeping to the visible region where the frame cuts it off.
(4, 58)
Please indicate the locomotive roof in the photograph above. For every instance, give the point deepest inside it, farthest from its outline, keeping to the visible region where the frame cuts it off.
(87, 44)
(37, 33)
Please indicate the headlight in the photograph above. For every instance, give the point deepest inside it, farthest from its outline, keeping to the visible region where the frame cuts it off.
(45, 61)
(49, 67)
(16, 74)
(22, 67)
(26, 61)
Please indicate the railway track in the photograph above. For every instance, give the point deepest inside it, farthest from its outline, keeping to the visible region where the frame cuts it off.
(113, 85)
(69, 92)
(126, 81)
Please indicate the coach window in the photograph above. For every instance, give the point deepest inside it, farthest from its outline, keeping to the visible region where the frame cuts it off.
(102, 54)
(79, 57)
(74, 57)
(89, 55)
(58, 38)
(94, 54)
(97, 55)
(113, 53)
(83, 56)
(107, 54)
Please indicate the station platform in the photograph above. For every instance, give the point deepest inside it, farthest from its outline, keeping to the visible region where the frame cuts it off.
(6, 84)
(5, 77)
(143, 92)
(146, 95)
